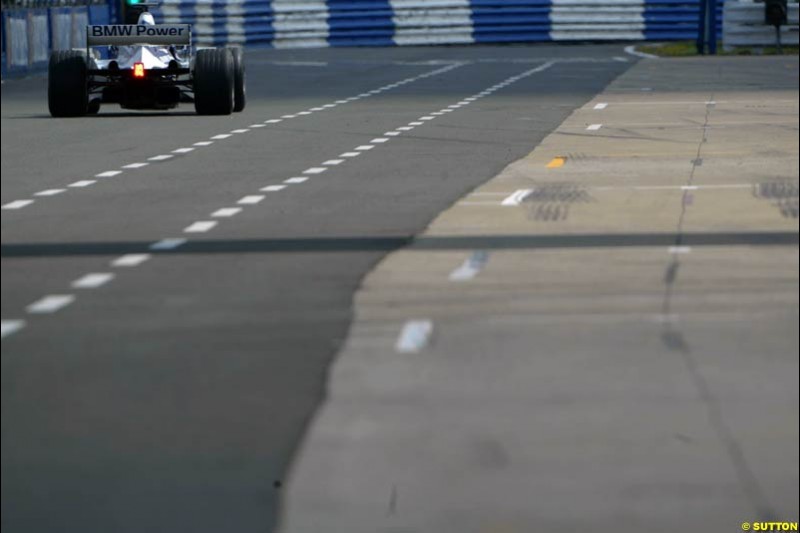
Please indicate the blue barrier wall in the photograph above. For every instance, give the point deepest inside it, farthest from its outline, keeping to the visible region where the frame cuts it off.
(29, 35)
(309, 23)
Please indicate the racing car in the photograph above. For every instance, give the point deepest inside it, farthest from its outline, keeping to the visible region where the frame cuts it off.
(147, 66)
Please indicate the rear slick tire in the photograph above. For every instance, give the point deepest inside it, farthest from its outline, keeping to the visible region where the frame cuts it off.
(67, 87)
(214, 82)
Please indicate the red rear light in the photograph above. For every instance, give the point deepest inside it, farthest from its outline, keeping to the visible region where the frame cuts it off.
(138, 70)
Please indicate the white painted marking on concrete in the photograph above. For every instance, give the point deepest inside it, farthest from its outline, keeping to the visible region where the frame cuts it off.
(204, 143)
(108, 174)
(304, 113)
(317, 108)
(601, 105)
(621, 59)
(256, 126)
(201, 226)
(168, 243)
(634, 52)
(516, 197)
(135, 165)
(221, 136)
(183, 150)
(130, 260)
(276, 188)
(679, 249)
(49, 192)
(162, 157)
(9, 327)
(315, 170)
(416, 123)
(92, 280)
(296, 179)
(427, 118)
(288, 116)
(251, 199)
(226, 212)
(82, 183)
(50, 304)
(328, 106)
(414, 336)
(405, 128)
(333, 162)
(470, 267)
(350, 154)
(689, 187)
(594, 127)
(392, 133)
(364, 147)
(379, 140)
(17, 204)
(273, 121)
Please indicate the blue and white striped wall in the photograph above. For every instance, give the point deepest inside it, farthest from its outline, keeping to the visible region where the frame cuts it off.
(314, 23)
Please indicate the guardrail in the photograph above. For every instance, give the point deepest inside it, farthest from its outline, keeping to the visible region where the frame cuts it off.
(310, 23)
(29, 34)
(743, 25)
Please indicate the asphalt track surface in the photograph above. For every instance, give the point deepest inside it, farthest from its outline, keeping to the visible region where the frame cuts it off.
(172, 395)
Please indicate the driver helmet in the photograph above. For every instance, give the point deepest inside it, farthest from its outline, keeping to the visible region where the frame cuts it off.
(146, 19)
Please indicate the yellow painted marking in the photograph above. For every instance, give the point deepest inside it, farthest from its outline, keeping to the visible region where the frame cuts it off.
(557, 162)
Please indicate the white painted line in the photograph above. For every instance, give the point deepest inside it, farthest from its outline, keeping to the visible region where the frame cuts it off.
(437, 113)
(288, 116)
(414, 336)
(273, 121)
(364, 147)
(276, 188)
(256, 126)
(634, 52)
(316, 109)
(9, 327)
(594, 127)
(162, 157)
(689, 187)
(304, 113)
(251, 199)
(392, 133)
(315, 170)
(427, 118)
(82, 183)
(226, 212)
(201, 226)
(516, 197)
(379, 140)
(17, 204)
(108, 174)
(416, 123)
(49, 192)
(350, 154)
(679, 249)
(183, 150)
(621, 59)
(328, 106)
(333, 162)
(135, 165)
(341, 101)
(50, 303)
(169, 243)
(220, 136)
(601, 105)
(454, 106)
(130, 260)
(405, 128)
(296, 179)
(204, 143)
(92, 281)
(470, 267)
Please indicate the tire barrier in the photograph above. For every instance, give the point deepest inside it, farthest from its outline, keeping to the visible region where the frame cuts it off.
(315, 23)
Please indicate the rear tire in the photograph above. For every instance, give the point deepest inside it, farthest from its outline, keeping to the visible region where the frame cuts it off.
(67, 88)
(239, 88)
(213, 82)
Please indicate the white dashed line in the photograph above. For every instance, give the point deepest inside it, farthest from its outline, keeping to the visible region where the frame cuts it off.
(9, 327)
(297, 179)
(49, 192)
(226, 212)
(201, 226)
(516, 197)
(414, 336)
(288, 116)
(256, 126)
(316, 108)
(162, 157)
(350, 154)
(130, 260)
(416, 123)
(182, 150)
(392, 133)
(405, 128)
(315, 170)
(220, 136)
(169, 243)
(276, 188)
(333, 162)
(135, 165)
(364, 147)
(304, 113)
(594, 127)
(17, 204)
(273, 121)
(108, 174)
(243, 130)
(50, 304)
(82, 183)
(92, 281)
(203, 143)
(601, 105)
(470, 268)
(379, 140)
(251, 199)
(427, 118)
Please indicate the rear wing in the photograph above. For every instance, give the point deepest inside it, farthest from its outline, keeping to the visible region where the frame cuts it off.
(138, 34)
